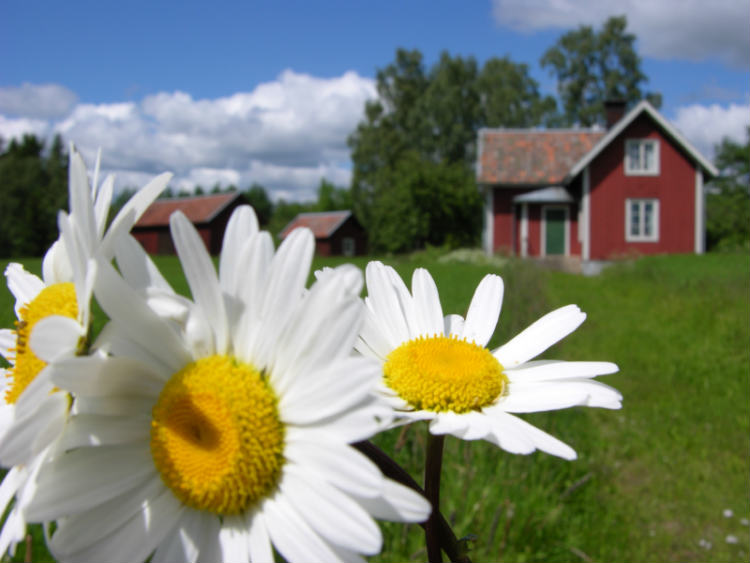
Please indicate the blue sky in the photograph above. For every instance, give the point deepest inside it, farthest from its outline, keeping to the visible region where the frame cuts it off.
(268, 91)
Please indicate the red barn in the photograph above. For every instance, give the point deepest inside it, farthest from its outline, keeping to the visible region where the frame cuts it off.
(210, 215)
(337, 233)
(594, 194)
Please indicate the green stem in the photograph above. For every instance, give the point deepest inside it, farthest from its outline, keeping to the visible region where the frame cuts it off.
(432, 468)
(393, 470)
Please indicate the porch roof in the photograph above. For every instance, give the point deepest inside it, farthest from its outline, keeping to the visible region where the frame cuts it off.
(551, 194)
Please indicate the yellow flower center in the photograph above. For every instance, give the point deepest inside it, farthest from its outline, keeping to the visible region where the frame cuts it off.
(443, 373)
(216, 437)
(56, 299)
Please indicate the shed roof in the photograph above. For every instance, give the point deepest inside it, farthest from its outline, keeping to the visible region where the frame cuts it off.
(323, 223)
(532, 157)
(198, 209)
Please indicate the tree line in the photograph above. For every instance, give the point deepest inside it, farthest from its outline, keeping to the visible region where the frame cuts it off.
(413, 154)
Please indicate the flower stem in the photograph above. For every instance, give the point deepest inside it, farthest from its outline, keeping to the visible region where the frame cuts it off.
(432, 468)
(452, 547)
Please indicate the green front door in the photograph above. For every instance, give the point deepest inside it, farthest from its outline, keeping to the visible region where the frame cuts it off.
(554, 220)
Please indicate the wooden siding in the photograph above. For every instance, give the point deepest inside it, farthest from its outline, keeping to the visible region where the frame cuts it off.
(674, 187)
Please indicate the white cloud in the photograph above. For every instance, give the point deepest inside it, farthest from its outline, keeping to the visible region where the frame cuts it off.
(43, 101)
(692, 30)
(284, 134)
(706, 126)
(16, 128)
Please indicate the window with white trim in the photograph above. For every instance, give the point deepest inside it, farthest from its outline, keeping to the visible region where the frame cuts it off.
(347, 246)
(642, 220)
(642, 157)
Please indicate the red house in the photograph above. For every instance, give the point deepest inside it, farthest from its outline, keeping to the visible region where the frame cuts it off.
(337, 233)
(593, 194)
(210, 215)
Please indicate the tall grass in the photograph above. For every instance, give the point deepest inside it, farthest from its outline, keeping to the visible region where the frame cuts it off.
(653, 480)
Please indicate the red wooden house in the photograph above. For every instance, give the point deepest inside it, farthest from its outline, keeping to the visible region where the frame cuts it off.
(337, 233)
(634, 188)
(209, 213)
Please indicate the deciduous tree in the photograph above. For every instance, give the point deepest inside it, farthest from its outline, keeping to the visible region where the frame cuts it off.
(594, 66)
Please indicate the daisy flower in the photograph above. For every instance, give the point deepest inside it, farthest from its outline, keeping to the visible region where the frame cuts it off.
(218, 428)
(439, 369)
(53, 318)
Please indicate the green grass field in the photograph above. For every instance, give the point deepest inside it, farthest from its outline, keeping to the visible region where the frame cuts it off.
(653, 480)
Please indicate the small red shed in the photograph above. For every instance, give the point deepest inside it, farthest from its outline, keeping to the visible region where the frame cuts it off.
(636, 187)
(337, 233)
(210, 215)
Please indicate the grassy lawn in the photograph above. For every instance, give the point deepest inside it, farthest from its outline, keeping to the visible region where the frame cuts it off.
(652, 481)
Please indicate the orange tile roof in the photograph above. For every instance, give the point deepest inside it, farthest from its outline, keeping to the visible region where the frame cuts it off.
(323, 224)
(527, 156)
(199, 209)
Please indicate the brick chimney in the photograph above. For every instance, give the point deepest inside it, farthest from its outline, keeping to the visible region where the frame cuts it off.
(613, 111)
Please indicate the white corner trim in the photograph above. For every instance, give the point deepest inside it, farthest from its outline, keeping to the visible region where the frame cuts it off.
(585, 226)
(524, 230)
(489, 221)
(700, 217)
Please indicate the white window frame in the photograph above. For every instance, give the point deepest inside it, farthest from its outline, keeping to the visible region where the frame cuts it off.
(641, 144)
(348, 246)
(640, 236)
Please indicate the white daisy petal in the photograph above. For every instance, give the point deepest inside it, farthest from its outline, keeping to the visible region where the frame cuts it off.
(538, 371)
(105, 430)
(55, 336)
(114, 405)
(13, 479)
(539, 336)
(427, 302)
(23, 285)
(133, 540)
(454, 325)
(7, 343)
(446, 423)
(137, 268)
(90, 529)
(383, 298)
(201, 277)
(118, 469)
(518, 436)
(206, 529)
(56, 264)
(292, 536)
(537, 397)
(371, 340)
(242, 226)
(284, 290)
(14, 530)
(484, 310)
(476, 426)
(31, 435)
(139, 322)
(102, 204)
(233, 538)
(259, 543)
(81, 205)
(131, 212)
(328, 391)
(348, 469)
(398, 504)
(181, 543)
(331, 513)
(100, 375)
